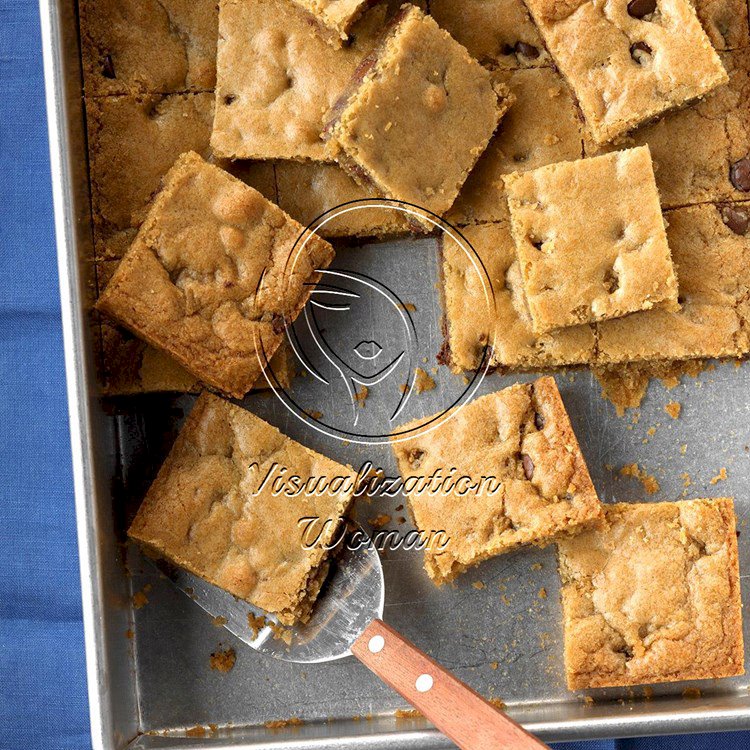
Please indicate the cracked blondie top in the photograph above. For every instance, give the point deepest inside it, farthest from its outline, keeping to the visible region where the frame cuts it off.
(541, 489)
(540, 128)
(702, 153)
(335, 16)
(499, 33)
(653, 596)
(590, 239)
(129, 365)
(209, 510)
(148, 46)
(710, 246)
(628, 62)
(277, 78)
(417, 115)
(214, 275)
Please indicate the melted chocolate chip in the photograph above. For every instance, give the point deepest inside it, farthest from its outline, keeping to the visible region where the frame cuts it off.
(415, 457)
(527, 50)
(528, 466)
(739, 174)
(641, 8)
(538, 421)
(736, 219)
(278, 323)
(508, 49)
(108, 67)
(639, 51)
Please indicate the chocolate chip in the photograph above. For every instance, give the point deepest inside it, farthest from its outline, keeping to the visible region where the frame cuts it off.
(108, 67)
(739, 174)
(611, 281)
(641, 8)
(527, 50)
(508, 49)
(528, 466)
(415, 457)
(640, 51)
(229, 99)
(538, 421)
(736, 219)
(278, 323)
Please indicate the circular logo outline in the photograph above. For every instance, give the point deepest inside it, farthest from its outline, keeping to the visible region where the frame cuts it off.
(422, 215)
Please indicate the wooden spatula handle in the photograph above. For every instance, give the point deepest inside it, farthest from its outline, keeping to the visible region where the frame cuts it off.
(454, 708)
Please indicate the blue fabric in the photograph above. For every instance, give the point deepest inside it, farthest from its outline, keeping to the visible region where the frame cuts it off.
(42, 671)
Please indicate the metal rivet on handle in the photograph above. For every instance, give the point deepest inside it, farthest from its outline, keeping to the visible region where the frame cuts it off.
(376, 644)
(424, 683)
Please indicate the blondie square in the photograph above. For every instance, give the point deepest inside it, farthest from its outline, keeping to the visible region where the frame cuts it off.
(702, 153)
(499, 33)
(336, 17)
(521, 439)
(277, 78)
(214, 275)
(148, 46)
(711, 248)
(417, 115)
(540, 128)
(611, 259)
(653, 596)
(628, 62)
(473, 322)
(210, 511)
(307, 191)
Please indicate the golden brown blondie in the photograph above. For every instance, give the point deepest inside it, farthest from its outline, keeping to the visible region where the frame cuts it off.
(211, 511)
(215, 274)
(653, 596)
(417, 115)
(529, 480)
(628, 62)
(611, 259)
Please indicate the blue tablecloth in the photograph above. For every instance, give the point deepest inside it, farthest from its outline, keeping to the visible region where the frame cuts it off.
(42, 671)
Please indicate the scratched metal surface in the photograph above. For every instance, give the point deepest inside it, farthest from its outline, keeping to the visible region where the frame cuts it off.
(504, 636)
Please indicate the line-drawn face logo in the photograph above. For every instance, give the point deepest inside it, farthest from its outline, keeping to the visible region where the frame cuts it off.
(369, 362)
(358, 343)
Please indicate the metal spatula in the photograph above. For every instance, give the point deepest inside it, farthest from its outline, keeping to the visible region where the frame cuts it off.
(347, 620)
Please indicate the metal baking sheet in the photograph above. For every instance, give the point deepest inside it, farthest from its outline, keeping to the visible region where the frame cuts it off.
(149, 677)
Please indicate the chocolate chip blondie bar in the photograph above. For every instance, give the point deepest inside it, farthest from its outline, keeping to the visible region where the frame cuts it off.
(277, 78)
(623, 265)
(653, 596)
(417, 98)
(710, 245)
(210, 510)
(527, 480)
(628, 62)
(214, 275)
